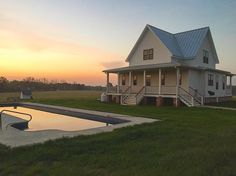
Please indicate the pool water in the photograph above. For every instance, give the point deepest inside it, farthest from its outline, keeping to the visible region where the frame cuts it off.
(42, 120)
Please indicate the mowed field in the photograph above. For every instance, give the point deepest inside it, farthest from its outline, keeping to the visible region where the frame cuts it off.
(37, 95)
(187, 141)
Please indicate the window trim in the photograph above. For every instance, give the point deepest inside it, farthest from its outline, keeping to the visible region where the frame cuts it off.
(148, 54)
(205, 56)
(135, 80)
(163, 79)
(210, 80)
(148, 77)
(123, 80)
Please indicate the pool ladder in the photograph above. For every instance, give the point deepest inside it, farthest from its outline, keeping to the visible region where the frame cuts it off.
(22, 113)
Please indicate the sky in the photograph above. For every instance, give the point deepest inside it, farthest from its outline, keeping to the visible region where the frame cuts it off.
(74, 40)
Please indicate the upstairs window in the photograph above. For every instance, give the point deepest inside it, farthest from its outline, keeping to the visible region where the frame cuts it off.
(148, 80)
(135, 80)
(210, 80)
(205, 56)
(123, 80)
(148, 54)
(163, 79)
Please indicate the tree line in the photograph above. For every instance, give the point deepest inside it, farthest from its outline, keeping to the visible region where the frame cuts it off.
(42, 85)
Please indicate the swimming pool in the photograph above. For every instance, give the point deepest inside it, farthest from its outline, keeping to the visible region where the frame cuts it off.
(42, 120)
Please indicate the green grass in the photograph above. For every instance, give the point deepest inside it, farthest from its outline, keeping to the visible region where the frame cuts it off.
(188, 141)
(230, 104)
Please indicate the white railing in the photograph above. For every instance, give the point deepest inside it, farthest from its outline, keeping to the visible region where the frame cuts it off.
(116, 89)
(140, 94)
(186, 96)
(196, 95)
(152, 90)
(125, 95)
(168, 90)
(111, 89)
(135, 89)
(228, 90)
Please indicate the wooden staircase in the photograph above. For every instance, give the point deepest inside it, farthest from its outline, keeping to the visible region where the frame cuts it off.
(128, 98)
(190, 98)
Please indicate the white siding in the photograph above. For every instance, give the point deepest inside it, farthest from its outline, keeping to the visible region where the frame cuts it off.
(199, 80)
(220, 92)
(161, 53)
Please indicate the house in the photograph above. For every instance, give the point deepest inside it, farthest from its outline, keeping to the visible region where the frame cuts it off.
(25, 94)
(171, 68)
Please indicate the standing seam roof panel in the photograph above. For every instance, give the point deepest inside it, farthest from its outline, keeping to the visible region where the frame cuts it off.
(191, 41)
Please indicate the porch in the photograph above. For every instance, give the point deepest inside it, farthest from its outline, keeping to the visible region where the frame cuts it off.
(169, 82)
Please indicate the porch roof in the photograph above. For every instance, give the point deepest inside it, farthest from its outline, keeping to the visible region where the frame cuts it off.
(142, 67)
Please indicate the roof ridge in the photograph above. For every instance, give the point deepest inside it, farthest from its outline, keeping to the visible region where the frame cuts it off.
(191, 30)
(159, 29)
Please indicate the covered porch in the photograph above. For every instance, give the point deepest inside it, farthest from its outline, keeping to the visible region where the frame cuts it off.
(159, 81)
(137, 83)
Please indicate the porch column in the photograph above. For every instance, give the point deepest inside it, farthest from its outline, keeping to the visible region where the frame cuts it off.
(177, 86)
(159, 83)
(107, 80)
(118, 83)
(230, 81)
(130, 78)
(144, 78)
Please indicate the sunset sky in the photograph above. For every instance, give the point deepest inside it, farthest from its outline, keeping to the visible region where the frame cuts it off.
(75, 40)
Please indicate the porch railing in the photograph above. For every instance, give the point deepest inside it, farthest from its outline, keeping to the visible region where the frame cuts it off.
(116, 89)
(152, 90)
(140, 94)
(228, 90)
(168, 90)
(197, 96)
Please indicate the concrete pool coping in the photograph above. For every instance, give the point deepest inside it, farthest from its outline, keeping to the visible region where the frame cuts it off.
(13, 137)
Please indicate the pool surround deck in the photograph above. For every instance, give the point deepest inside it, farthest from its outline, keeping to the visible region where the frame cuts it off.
(13, 137)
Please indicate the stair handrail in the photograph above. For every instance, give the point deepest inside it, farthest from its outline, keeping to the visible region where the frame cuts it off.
(182, 89)
(124, 94)
(198, 97)
(22, 113)
(140, 93)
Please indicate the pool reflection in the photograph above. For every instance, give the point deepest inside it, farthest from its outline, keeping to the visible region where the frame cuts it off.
(44, 120)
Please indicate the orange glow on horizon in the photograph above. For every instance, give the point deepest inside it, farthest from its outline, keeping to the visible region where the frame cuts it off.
(24, 54)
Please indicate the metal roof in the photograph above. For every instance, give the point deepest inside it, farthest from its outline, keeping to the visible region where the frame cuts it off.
(142, 67)
(163, 65)
(183, 45)
(168, 39)
(190, 41)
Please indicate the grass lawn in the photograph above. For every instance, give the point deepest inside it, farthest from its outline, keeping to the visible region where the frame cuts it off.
(187, 142)
(231, 104)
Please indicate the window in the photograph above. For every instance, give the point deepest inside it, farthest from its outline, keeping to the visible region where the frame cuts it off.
(123, 80)
(134, 80)
(223, 82)
(148, 54)
(148, 80)
(217, 82)
(163, 79)
(205, 56)
(180, 79)
(210, 80)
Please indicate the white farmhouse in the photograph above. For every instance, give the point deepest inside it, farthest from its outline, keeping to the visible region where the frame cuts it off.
(171, 68)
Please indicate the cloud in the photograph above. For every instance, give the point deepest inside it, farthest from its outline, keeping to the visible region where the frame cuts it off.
(113, 64)
(15, 35)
